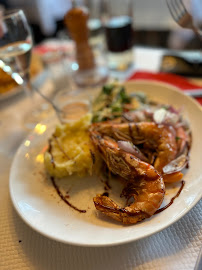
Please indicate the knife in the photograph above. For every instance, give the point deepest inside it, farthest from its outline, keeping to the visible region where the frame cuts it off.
(196, 93)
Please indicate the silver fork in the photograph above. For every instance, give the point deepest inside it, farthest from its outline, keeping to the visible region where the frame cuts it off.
(182, 16)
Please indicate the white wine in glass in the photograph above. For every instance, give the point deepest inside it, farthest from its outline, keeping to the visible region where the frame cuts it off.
(15, 59)
(15, 55)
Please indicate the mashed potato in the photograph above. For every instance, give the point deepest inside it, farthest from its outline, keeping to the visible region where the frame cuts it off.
(70, 150)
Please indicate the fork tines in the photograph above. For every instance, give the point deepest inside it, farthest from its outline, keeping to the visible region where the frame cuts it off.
(177, 9)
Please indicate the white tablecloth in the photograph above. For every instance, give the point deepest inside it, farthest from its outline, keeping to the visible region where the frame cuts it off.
(22, 248)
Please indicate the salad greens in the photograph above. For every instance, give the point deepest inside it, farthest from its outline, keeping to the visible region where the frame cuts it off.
(113, 101)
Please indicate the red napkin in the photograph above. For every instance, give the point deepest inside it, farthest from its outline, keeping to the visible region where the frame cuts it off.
(178, 81)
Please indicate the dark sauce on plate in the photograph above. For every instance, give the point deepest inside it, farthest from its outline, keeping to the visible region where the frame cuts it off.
(172, 200)
(64, 198)
(50, 152)
(105, 194)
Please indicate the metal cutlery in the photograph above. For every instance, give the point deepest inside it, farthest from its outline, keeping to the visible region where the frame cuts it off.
(182, 16)
(196, 93)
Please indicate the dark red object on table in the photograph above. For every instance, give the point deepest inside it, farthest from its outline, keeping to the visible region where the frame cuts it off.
(175, 80)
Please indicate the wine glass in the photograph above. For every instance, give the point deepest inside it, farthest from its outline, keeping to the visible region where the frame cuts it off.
(15, 55)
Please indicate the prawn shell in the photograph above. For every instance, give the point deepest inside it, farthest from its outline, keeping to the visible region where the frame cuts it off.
(146, 184)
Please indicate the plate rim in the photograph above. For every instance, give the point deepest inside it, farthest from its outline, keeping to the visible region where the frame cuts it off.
(116, 242)
(171, 86)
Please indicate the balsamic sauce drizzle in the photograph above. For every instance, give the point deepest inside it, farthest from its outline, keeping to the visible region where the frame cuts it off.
(92, 156)
(106, 183)
(130, 131)
(64, 198)
(172, 200)
(50, 152)
(105, 194)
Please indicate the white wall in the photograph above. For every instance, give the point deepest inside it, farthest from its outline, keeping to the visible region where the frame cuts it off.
(152, 14)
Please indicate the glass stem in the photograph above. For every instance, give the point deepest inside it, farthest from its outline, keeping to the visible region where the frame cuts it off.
(30, 90)
(27, 85)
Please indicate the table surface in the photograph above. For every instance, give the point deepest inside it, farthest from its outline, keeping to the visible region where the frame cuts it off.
(176, 247)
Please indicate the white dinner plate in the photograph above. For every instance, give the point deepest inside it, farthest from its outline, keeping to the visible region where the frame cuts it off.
(38, 204)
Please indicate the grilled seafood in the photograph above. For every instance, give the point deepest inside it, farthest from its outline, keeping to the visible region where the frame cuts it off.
(159, 138)
(183, 139)
(146, 185)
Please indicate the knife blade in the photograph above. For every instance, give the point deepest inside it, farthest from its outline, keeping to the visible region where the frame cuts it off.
(196, 93)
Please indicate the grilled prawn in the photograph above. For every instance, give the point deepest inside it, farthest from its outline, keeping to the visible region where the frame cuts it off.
(145, 184)
(158, 138)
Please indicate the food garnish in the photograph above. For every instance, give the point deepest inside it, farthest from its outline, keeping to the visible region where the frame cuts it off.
(112, 102)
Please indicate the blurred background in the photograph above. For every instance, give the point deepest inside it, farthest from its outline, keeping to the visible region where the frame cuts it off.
(152, 23)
